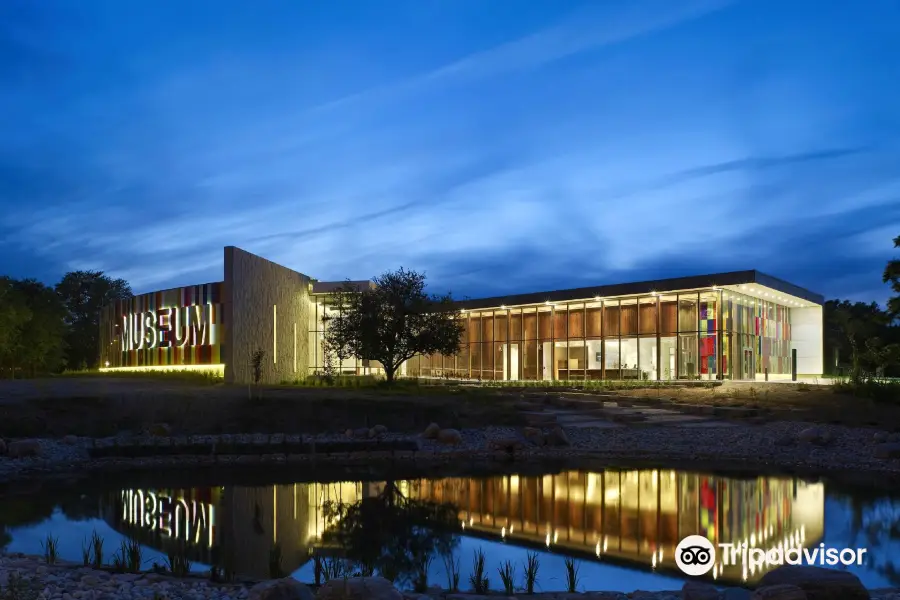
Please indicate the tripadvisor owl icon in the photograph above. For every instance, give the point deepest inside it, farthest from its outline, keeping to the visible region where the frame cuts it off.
(695, 555)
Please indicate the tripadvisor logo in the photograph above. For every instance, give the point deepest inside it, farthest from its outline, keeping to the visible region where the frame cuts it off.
(695, 555)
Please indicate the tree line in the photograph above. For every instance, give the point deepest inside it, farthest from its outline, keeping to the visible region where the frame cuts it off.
(47, 329)
(863, 339)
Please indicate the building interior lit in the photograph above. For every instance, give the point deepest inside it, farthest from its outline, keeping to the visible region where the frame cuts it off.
(633, 518)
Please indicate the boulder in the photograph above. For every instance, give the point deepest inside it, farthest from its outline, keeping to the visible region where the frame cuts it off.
(358, 588)
(696, 590)
(814, 435)
(160, 430)
(348, 433)
(431, 432)
(361, 433)
(533, 435)
(557, 437)
(23, 448)
(380, 429)
(70, 440)
(280, 589)
(880, 437)
(817, 582)
(506, 444)
(449, 436)
(784, 440)
(736, 594)
(779, 592)
(888, 450)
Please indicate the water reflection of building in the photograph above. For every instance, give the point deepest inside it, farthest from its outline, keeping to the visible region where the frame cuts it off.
(636, 517)
(233, 523)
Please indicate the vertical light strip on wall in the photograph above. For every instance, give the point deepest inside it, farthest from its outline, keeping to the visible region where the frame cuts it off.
(274, 333)
(295, 347)
(212, 519)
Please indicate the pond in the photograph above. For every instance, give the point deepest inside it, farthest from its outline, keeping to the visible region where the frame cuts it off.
(620, 527)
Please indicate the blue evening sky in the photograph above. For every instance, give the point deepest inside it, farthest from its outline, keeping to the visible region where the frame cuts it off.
(498, 145)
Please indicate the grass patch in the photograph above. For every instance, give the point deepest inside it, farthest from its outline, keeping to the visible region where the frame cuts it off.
(879, 390)
(96, 550)
(873, 403)
(177, 562)
(532, 566)
(572, 579)
(197, 377)
(478, 579)
(452, 569)
(508, 577)
(85, 408)
(51, 549)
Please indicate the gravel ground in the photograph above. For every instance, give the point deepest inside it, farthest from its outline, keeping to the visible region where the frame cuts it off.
(776, 445)
(69, 581)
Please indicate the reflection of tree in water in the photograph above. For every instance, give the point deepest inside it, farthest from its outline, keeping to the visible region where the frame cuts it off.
(392, 534)
(875, 525)
(79, 507)
(23, 510)
(20, 511)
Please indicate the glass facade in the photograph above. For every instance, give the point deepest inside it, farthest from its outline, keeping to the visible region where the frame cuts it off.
(694, 334)
(318, 359)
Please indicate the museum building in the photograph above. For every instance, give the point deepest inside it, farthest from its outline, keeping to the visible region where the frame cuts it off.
(741, 325)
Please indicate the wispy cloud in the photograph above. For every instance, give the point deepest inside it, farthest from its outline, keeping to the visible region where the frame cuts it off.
(611, 142)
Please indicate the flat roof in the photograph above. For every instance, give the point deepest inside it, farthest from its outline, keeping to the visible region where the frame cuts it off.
(326, 287)
(647, 287)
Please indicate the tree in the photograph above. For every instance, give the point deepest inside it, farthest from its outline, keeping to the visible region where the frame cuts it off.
(881, 355)
(391, 533)
(336, 345)
(84, 293)
(892, 275)
(42, 347)
(394, 321)
(14, 315)
(849, 325)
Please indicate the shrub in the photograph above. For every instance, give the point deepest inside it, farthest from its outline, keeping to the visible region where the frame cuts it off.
(877, 389)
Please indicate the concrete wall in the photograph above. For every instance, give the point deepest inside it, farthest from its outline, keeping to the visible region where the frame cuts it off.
(253, 519)
(266, 307)
(807, 339)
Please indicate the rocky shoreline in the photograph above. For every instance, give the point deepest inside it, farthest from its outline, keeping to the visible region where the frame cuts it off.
(30, 577)
(853, 455)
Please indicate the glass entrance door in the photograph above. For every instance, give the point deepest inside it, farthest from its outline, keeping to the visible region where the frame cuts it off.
(748, 370)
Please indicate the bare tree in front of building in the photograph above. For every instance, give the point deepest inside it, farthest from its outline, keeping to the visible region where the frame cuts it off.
(256, 365)
(394, 321)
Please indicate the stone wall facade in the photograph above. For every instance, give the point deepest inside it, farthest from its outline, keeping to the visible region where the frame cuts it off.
(266, 308)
